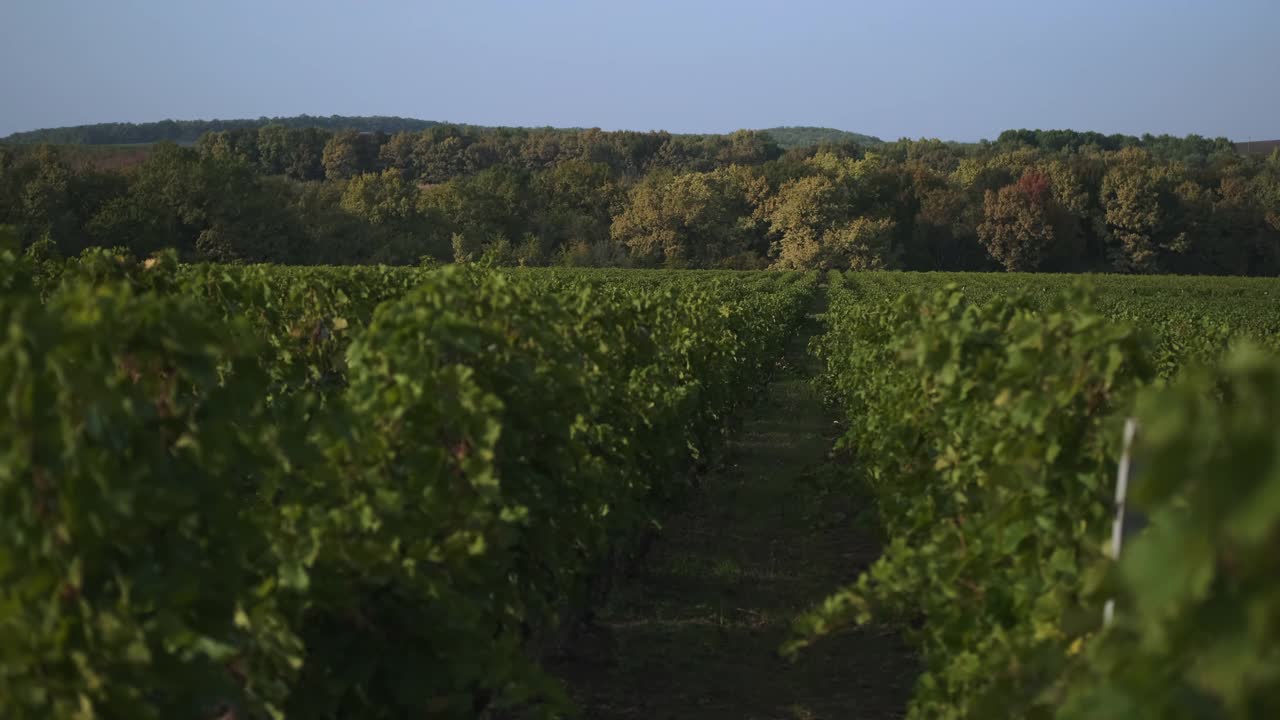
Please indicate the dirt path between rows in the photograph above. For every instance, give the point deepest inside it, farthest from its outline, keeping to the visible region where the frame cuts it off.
(694, 633)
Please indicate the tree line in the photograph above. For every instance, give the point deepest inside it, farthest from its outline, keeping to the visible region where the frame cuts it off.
(1029, 201)
(188, 131)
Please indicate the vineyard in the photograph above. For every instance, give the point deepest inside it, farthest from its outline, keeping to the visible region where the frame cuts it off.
(984, 414)
(370, 492)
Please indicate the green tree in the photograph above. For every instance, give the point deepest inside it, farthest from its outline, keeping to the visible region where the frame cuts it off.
(798, 216)
(747, 147)
(576, 201)
(204, 206)
(815, 220)
(1134, 200)
(691, 219)
(305, 155)
(10, 188)
(866, 244)
(1269, 192)
(239, 145)
(295, 152)
(439, 154)
(381, 198)
(46, 198)
(397, 153)
(944, 232)
(350, 153)
(273, 149)
(498, 203)
(1227, 226)
(398, 232)
(1017, 229)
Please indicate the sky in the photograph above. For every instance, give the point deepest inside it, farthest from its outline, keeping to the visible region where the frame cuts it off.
(890, 68)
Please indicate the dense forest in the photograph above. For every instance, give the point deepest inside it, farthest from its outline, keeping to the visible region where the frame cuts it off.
(1028, 201)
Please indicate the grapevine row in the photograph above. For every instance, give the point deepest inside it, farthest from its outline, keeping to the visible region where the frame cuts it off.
(988, 432)
(330, 493)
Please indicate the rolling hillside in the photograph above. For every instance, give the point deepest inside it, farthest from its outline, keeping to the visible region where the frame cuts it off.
(1257, 147)
(789, 137)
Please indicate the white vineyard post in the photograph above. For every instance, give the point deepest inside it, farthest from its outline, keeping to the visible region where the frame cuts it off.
(1122, 491)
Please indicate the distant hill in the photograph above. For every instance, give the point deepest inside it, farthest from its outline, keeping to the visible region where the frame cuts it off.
(1257, 147)
(802, 136)
(188, 131)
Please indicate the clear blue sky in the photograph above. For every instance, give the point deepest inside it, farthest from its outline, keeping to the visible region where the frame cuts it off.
(893, 68)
